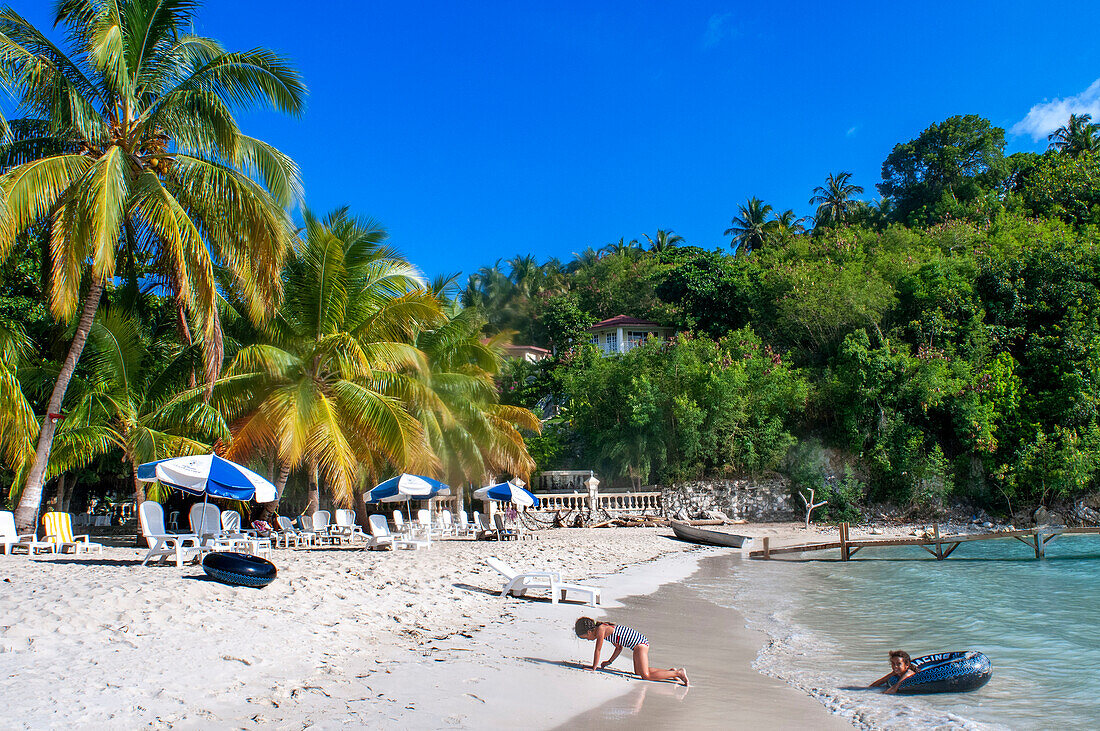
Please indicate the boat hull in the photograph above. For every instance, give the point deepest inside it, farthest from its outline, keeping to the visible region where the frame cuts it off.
(705, 537)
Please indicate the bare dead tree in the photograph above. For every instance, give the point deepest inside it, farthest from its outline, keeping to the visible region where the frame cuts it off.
(810, 505)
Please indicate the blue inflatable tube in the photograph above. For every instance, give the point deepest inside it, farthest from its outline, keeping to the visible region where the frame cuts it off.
(238, 569)
(946, 672)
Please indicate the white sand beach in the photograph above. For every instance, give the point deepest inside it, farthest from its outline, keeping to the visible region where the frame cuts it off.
(346, 637)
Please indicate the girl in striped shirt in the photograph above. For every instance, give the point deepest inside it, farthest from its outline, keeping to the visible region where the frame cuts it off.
(621, 636)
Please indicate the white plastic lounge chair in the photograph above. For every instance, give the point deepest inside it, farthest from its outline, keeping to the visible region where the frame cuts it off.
(520, 582)
(484, 531)
(287, 534)
(322, 526)
(447, 524)
(163, 545)
(59, 531)
(463, 526)
(381, 535)
(504, 533)
(399, 523)
(206, 523)
(345, 525)
(10, 540)
(427, 528)
(231, 526)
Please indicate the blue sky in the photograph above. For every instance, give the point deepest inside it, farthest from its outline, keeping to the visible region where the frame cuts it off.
(476, 131)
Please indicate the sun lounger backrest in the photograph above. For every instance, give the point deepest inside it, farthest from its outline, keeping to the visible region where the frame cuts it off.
(445, 519)
(7, 526)
(284, 523)
(151, 518)
(463, 519)
(59, 527)
(306, 522)
(501, 568)
(231, 521)
(424, 517)
(321, 519)
(483, 521)
(345, 518)
(398, 519)
(206, 519)
(379, 528)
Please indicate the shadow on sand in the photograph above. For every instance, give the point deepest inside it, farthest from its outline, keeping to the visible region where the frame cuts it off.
(574, 665)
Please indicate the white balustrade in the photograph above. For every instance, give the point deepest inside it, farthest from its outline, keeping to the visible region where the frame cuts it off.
(612, 502)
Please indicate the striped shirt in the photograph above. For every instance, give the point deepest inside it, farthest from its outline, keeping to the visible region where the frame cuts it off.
(627, 637)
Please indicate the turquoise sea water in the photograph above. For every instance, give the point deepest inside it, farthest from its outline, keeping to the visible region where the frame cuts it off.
(831, 625)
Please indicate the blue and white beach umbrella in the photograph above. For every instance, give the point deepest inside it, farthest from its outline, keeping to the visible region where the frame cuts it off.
(506, 492)
(209, 474)
(406, 487)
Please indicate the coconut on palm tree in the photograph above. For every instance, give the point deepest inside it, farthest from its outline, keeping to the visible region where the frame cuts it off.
(1080, 134)
(834, 200)
(751, 228)
(127, 149)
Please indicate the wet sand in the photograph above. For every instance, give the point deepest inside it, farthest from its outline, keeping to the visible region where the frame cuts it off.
(686, 630)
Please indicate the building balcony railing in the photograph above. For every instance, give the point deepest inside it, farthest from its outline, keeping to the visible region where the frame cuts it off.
(613, 502)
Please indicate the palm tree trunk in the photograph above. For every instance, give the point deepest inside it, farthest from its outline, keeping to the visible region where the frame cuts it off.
(139, 489)
(60, 500)
(314, 503)
(361, 509)
(280, 484)
(26, 515)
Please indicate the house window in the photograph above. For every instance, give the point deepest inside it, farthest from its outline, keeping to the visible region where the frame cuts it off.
(636, 336)
(595, 339)
(612, 342)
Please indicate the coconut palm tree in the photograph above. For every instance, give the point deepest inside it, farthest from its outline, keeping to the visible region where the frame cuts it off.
(623, 247)
(834, 199)
(127, 149)
(1080, 134)
(587, 258)
(18, 425)
(664, 240)
(751, 228)
(132, 401)
(789, 223)
(324, 388)
(472, 435)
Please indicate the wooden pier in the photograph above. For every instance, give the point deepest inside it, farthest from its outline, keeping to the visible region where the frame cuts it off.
(940, 546)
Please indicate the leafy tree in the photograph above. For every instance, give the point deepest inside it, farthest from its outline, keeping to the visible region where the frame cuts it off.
(127, 148)
(751, 228)
(834, 199)
(945, 171)
(1056, 185)
(560, 322)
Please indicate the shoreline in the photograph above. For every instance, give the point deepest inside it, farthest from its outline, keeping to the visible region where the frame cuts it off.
(343, 637)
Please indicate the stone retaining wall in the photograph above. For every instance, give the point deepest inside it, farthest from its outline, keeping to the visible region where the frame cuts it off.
(766, 498)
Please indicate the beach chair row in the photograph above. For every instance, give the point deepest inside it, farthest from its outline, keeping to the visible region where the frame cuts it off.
(59, 536)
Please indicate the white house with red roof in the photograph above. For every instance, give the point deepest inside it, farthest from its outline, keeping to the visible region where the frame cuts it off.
(621, 334)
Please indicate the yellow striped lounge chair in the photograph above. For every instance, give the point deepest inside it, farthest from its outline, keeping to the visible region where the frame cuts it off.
(59, 531)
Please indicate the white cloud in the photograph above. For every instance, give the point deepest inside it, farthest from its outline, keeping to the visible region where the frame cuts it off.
(1046, 117)
(718, 29)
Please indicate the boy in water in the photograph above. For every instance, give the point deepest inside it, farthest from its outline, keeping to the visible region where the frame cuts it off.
(901, 665)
